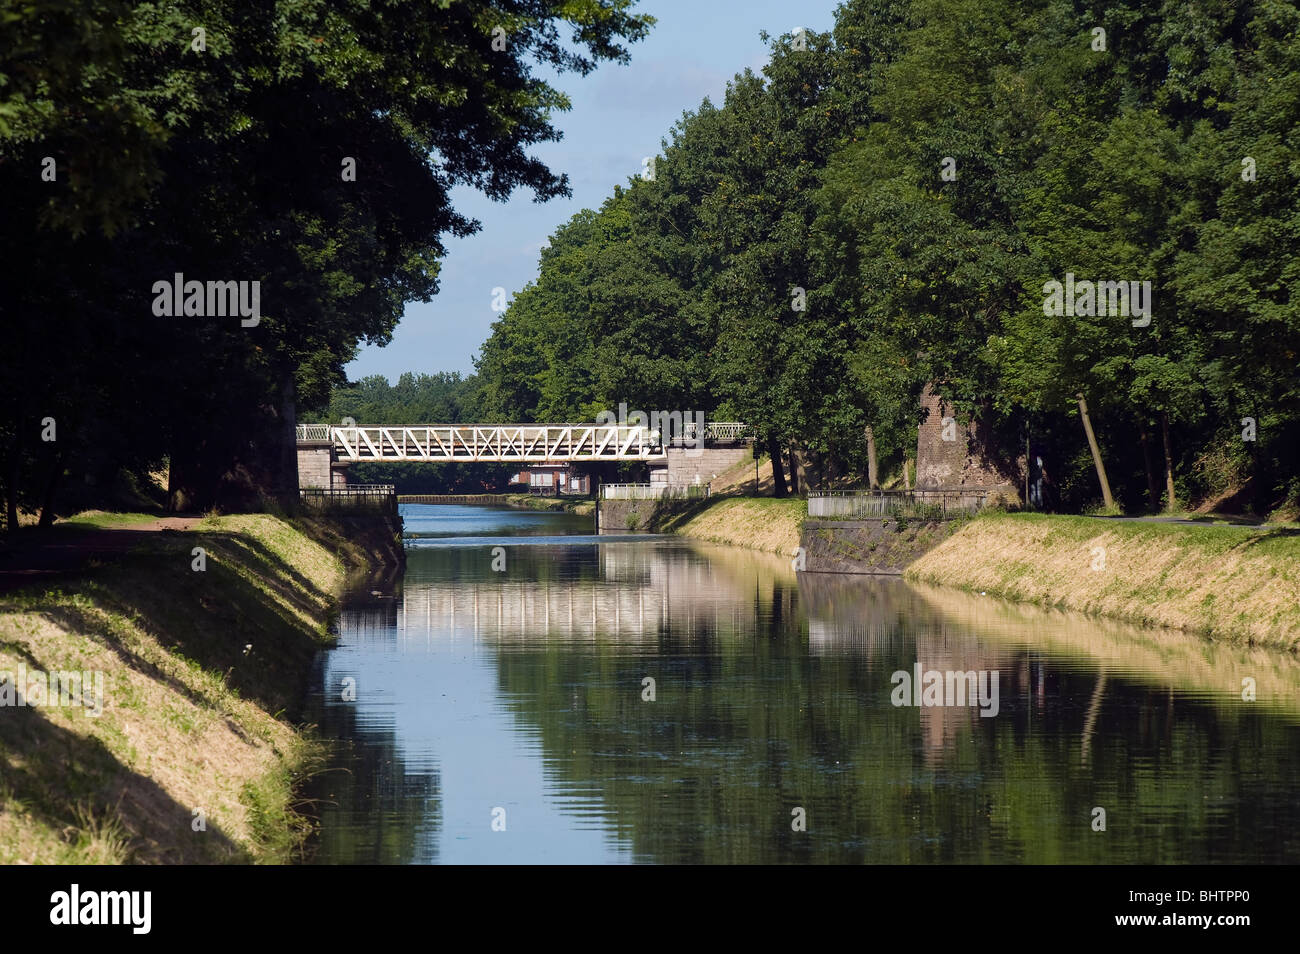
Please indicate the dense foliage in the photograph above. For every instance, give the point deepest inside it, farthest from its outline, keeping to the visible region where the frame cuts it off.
(883, 208)
(310, 146)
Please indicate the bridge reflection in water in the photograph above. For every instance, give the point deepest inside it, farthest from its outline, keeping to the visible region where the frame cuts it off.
(636, 595)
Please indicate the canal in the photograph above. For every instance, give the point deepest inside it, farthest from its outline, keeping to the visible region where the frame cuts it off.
(528, 692)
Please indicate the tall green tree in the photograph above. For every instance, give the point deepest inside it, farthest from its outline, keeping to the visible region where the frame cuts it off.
(241, 123)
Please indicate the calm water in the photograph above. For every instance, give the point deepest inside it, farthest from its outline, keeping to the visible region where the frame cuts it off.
(516, 696)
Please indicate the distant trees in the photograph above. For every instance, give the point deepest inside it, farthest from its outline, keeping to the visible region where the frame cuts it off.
(885, 206)
(442, 398)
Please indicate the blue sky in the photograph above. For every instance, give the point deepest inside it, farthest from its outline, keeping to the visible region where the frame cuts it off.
(619, 115)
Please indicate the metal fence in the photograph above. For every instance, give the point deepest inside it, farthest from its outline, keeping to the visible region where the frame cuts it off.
(651, 491)
(314, 432)
(354, 498)
(716, 432)
(879, 503)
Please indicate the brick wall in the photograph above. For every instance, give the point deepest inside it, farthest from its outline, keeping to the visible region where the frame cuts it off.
(939, 463)
(965, 461)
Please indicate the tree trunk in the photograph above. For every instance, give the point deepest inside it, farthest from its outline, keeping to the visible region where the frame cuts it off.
(873, 466)
(1153, 489)
(794, 471)
(1107, 499)
(1169, 462)
(907, 472)
(184, 492)
(11, 494)
(778, 475)
(286, 481)
(47, 502)
(11, 478)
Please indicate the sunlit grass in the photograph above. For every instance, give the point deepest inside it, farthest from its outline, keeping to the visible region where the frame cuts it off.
(1231, 582)
(189, 720)
(104, 520)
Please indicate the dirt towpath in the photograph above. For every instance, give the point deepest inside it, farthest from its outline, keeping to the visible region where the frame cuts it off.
(67, 550)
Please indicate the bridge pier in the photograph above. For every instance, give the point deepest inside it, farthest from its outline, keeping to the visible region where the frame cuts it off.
(319, 467)
(695, 466)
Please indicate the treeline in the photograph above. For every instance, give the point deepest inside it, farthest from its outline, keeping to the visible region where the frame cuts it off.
(442, 398)
(886, 207)
(209, 204)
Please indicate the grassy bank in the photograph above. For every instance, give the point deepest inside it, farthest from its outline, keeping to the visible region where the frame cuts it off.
(876, 545)
(201, 674)
(758, 523)
(1231, 583)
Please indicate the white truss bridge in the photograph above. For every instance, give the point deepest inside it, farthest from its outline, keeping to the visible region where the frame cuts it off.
(507, 443)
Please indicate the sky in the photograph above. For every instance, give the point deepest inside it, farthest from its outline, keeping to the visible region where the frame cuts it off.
(620, 113)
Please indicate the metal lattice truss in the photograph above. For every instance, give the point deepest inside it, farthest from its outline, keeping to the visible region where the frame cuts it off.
(497, 443)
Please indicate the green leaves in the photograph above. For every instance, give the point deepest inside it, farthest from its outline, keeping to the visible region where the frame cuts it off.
(921, 173)
(224, 162)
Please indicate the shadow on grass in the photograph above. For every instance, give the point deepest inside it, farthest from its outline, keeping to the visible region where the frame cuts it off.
(668, 515)
(75, 786)
(249, 617)
(211, 617)
(1269, 536)
(359, 540)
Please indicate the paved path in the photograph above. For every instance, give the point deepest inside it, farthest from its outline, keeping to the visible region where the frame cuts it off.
(1214, 522)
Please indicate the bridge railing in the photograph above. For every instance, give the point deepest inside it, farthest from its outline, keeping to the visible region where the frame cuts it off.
(313, 432)
(353, 498)
(719, 432)
(516, 442)
(874, 503)
(507, 443)
(651, 491)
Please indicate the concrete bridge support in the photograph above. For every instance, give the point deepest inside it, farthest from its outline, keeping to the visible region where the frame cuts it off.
(319, 466)
(696, 466)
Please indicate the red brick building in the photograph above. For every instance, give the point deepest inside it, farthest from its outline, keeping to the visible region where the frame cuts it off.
(952, 457)
(553, 479)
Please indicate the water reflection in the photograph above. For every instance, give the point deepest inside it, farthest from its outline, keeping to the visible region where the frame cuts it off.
(526, 690)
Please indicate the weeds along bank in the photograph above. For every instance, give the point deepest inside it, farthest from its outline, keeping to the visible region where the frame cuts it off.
(1231, 583)
(579, 506)
(197, 646)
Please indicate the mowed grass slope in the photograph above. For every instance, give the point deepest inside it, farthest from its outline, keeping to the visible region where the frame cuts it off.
(1227, 582)
(759, 523)
(201, 669)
